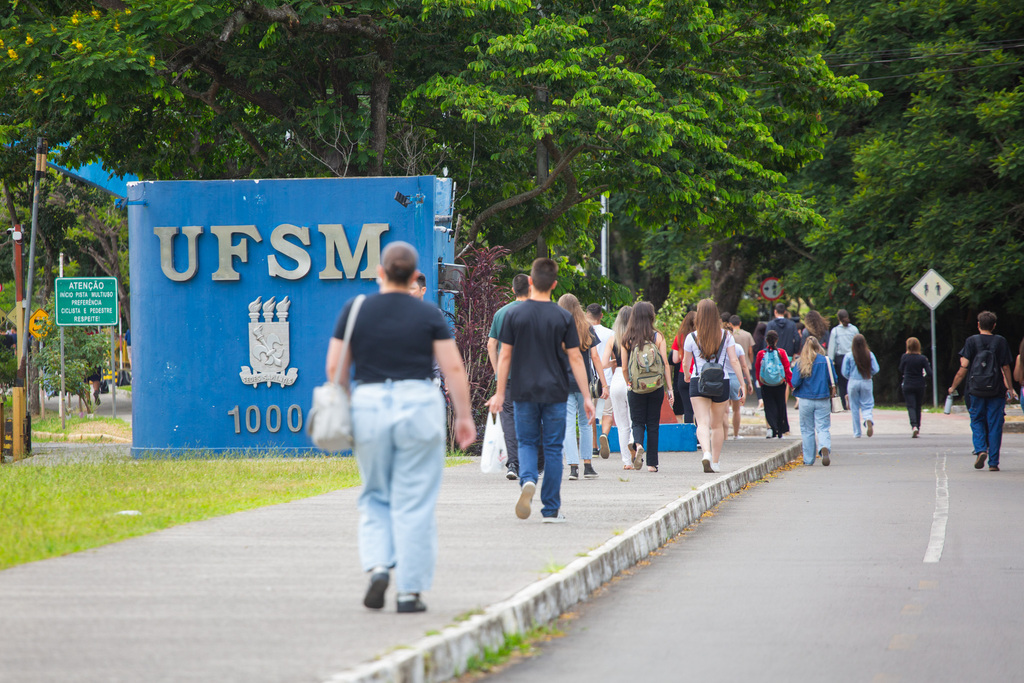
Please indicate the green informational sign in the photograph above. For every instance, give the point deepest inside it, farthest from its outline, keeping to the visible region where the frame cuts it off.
(86, 301)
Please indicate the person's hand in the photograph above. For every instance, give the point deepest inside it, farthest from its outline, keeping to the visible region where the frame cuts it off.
(604, 392)
(465, 431)
(750, 388)
(588, 406)
(743, 394)
(671, 397)
(496, 403)
(950, 390)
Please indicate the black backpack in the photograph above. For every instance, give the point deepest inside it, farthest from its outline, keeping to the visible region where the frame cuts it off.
(712, 381)
(985, 378)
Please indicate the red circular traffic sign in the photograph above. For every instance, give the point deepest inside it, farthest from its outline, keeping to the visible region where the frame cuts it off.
(771, 288)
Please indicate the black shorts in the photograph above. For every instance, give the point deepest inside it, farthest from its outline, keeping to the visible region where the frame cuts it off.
(694, 393)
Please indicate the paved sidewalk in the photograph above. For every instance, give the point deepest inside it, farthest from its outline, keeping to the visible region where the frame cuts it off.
(275, 594)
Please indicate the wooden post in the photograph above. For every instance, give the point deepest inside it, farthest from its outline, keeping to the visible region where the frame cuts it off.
(18, 450)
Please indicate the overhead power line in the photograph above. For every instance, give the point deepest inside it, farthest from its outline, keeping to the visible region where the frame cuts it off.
(943, 71)
(934, 56)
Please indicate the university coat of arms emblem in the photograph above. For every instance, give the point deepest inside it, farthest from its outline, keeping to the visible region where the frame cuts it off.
(269, 344)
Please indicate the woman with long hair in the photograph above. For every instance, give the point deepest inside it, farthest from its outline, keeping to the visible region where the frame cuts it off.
(574, 412)
(618, 392)
(816, 326)
(709, 343)
(859, 366)
(915, 370)
(682, 407)
(777, 376)
(759, 345)
(813, 385)
(645, 406)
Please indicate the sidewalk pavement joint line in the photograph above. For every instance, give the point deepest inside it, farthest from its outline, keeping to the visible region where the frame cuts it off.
(443, 656)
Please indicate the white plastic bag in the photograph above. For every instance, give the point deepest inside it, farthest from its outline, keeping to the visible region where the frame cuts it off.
(493, 456)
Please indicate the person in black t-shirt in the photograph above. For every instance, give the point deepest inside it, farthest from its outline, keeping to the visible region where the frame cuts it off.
(915, 369)
(538, 343)
(987, 406)
(398, 425)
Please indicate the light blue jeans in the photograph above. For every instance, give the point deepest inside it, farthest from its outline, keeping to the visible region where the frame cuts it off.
(815, 425)
(862, 402)
(576, 415)
(399, 430)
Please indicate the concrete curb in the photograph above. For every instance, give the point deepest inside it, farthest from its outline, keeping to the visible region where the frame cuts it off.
(444, 656)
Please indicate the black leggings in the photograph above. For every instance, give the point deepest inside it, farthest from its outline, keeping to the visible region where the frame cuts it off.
(775, 409)
(645, 412)
(682, 405)
(914, 399)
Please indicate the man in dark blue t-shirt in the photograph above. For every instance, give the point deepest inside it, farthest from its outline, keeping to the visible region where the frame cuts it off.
(988, 403)
(538, 341)
(789, 339)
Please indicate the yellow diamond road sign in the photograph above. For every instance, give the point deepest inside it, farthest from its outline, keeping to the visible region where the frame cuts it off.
(12, 316)
(37, 322)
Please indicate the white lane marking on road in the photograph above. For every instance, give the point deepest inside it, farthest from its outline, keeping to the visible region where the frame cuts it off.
(938, 536)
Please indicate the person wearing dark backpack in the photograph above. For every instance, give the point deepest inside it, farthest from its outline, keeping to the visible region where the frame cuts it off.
(985, 361)
(645, 366)
(710, 347)
(774, 373)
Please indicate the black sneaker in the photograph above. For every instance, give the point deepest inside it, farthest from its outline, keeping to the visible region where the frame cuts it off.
(375, 592)
(410, 603)
(596, 452)
(588, 471)
(993, 468)
(824, 457)
(980, 461)
(574, 472)
(513, 473)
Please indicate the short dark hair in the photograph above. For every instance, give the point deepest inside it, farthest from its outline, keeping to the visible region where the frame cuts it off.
(736, 320)
(771, 339)
(544, 273)
(399, 260)
(595, 311)
(987, 320)
(421, 280)
(842, 314)
(726, 317)
(780, 308)
(521, 285)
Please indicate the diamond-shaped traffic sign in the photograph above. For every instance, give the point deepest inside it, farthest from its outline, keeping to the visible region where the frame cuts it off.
(932, 289)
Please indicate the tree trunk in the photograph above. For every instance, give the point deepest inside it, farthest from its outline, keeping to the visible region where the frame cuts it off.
(729, 272)
(380, 90)
(657, 289)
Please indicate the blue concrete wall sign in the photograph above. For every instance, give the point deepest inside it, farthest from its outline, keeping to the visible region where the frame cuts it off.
(235, 289)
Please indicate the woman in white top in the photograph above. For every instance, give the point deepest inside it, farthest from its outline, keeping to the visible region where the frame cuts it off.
(710, 343)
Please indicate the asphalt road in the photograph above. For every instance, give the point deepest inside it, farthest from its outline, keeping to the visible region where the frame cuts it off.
(820, 574)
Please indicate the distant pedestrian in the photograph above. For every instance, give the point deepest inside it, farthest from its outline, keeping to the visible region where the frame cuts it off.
(759, 345)
(393, 343)
(576, 448)
(682, 407)
(816, 326)
(537, 339)
(595, 313)
(744, 345)
(520, 290)
(915, 370)
(859, 367)
(418, 288)
(1018, 368)
(839, 342)
(618, 392)
(709, 348)
(773, 370)
(813, 385)
(645, 366)
(985, 361)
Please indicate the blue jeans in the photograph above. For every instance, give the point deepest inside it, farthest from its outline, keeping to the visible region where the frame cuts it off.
(862, 402)
(987, 417)
(815, 424)
(576, 415)
(399, 430)
(534, 422)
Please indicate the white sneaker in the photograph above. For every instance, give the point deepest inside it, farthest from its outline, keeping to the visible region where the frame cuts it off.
(715, 468)
(737, 437)
(706, 462)
(557, 519)
(525, 499)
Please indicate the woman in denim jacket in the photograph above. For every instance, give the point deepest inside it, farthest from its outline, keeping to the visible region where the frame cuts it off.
(813, 387)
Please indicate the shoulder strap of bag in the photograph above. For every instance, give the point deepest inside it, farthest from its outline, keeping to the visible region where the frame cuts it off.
(831, 378)
(349, 324)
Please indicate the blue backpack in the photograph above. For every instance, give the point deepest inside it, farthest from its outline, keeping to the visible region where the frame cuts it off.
(772, 372)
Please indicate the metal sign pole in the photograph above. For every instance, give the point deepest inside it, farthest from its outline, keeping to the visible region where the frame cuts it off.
(114, 370)
(935, 367)
(63, 409)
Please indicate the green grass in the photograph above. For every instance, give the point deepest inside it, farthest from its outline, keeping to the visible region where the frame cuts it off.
(514, 644)
(59, 509)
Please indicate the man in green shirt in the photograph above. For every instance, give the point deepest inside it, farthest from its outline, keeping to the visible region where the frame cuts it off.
(521, 290)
